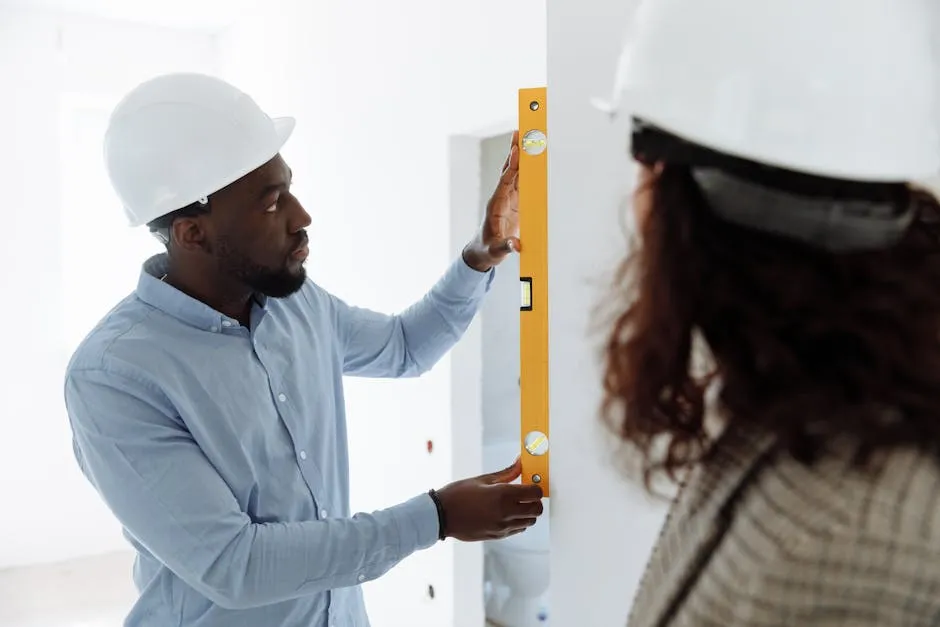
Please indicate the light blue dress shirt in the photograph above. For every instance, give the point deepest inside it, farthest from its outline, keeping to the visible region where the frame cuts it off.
(222, 449)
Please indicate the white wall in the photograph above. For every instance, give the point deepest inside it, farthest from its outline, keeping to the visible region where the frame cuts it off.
(499, 323)
(379, 88)
(602, 526)
(193, 15)
(47, 60)
(87, 592)
(484, 367)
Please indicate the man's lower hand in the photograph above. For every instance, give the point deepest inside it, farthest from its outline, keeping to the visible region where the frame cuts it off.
(490, 507)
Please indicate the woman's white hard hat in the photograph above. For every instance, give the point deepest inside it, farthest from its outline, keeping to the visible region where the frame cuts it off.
(839, 88)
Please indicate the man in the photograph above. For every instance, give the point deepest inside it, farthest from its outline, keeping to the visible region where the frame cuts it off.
(207, 407)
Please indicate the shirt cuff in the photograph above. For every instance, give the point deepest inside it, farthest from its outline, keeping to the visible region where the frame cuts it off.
(461, 282)
(418, 524)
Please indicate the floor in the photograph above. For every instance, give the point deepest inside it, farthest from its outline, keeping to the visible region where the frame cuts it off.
(91, 592)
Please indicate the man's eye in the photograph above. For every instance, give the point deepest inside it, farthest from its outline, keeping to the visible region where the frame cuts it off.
(271, 208)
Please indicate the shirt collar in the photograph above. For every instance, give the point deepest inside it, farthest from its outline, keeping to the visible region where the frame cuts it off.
(152, 290)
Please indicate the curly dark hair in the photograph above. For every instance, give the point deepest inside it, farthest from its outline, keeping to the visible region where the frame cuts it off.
(807, 344)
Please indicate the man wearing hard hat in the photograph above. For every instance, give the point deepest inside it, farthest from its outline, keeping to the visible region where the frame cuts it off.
(207, 408)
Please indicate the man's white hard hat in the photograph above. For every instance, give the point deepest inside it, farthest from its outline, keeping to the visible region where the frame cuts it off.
(839, 88)
(177, 138)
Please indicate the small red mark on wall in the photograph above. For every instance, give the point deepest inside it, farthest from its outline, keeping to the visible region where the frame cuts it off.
(430, 446)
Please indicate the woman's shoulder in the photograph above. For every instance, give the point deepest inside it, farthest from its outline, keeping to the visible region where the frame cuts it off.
(872, 534)
(885, 512)
(898, 497)
(765, 535)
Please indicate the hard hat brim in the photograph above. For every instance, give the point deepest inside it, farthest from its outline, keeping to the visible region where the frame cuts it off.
(283, 129)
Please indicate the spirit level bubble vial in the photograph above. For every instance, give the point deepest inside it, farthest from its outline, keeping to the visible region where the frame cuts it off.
(533, 279)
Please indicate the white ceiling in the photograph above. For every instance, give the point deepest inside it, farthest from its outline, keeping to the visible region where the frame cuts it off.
(190, 14)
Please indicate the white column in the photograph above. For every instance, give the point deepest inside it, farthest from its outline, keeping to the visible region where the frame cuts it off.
(602, 526)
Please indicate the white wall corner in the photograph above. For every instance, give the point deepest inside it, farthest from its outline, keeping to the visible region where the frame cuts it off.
(466, 374)
(602, 527)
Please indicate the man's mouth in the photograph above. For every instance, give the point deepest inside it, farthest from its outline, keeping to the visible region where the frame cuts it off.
(301, 252)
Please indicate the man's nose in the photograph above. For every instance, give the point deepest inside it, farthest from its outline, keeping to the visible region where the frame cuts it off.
(300, 220)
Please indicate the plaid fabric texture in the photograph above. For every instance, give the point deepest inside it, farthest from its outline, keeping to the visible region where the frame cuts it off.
(757, 539)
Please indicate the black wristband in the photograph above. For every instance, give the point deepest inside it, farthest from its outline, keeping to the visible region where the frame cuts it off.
(442, 521)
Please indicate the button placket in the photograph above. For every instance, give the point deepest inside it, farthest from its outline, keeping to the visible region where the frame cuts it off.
(301, 454)
(307, 464)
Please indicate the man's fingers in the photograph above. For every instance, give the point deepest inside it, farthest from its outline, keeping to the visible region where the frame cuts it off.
(508, 474)
(516, 493)
(526, 510)
(510, 168)
(527, 493)
(513, 143)
(505, 247)
(518, 527)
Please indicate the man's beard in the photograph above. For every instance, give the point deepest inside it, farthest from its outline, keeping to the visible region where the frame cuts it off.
(271, 282)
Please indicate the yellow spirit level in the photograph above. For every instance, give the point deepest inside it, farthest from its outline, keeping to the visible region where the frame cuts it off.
(533, 278)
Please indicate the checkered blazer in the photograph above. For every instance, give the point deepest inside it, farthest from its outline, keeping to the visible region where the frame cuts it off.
(757, 539)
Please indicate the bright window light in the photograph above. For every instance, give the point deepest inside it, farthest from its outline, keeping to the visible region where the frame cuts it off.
(101, 255)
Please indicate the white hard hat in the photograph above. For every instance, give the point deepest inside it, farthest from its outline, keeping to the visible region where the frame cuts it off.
(839, 88)
(177, 138)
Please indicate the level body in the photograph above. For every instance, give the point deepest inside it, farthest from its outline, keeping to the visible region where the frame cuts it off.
(533, 279)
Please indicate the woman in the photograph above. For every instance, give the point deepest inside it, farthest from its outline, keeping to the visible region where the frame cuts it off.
(776, 141)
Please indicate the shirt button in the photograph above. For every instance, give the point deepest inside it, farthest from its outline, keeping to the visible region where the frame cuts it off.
(303, 454)
(362, 578)
(226, 323)
(214, 329)
(323, 513)
(281, 397)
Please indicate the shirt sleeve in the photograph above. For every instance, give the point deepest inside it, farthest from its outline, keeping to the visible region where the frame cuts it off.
(410, 343)
(156, 480)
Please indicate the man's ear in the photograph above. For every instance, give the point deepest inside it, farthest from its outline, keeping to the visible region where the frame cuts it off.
(189, 234)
